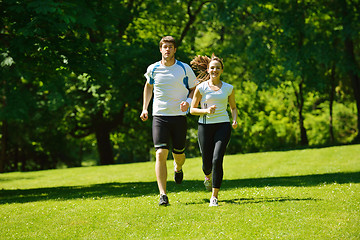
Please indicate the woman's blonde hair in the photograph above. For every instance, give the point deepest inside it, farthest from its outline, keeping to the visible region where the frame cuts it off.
(201, 63)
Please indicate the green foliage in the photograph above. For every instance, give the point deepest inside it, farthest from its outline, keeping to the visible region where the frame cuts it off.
(71, 74)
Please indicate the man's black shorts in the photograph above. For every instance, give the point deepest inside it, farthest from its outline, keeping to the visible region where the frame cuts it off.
(169, 128)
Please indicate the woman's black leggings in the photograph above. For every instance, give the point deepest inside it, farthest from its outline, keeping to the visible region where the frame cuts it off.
(213, 139)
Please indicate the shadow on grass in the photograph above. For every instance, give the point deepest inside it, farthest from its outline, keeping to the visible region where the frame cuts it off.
(266, 200)
(241, 201)
(136, 189)
(15, 179)
(296, 181)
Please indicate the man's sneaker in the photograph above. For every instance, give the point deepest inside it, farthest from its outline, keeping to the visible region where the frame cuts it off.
(213, 202)
(178, 176)
(164, 201)
(208, 184)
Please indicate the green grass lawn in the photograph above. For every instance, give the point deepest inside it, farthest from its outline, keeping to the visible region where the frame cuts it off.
(301, 194)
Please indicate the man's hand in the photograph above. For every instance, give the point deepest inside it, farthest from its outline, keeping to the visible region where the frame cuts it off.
(144, 115)
(184, 106)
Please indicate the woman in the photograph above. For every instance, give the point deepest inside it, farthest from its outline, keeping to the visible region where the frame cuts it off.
(214, 123)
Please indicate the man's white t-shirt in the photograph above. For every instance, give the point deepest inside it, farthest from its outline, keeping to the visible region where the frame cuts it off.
(169, 87)
(219, 98)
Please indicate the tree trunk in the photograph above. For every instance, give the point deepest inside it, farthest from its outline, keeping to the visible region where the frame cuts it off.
(303, 135)
(300, 96)
(331, 100)
(4, 131)
(16, 158)
(349, 51)
(300, 104)
(104, 146)
(350, 61)
(356, 83)
(23, 161)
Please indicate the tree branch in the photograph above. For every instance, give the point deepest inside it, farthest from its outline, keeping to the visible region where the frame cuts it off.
(192, 18)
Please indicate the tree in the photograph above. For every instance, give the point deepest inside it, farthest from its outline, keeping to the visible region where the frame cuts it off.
(104, 97)
(349, 14)
(93, 62)
(70, 76)
(29, 88)
(286, 41)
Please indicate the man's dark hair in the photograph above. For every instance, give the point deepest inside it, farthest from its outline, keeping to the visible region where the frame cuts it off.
(168, 39)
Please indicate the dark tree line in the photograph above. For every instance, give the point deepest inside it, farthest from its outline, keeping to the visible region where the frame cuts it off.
(72, 74)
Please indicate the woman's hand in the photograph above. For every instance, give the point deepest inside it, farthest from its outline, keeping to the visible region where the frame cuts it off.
(211, 109)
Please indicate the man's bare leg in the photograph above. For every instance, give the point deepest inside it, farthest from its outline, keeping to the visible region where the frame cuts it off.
(179, 160)
(161, 170)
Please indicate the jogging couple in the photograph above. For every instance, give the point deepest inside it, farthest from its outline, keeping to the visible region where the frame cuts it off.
(176, 89)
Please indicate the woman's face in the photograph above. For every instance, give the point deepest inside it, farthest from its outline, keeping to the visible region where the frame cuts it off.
(215, 69)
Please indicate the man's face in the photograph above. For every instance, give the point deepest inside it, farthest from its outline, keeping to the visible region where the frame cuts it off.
(168, 51)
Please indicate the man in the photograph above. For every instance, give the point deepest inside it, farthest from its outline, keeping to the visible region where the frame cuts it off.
(173, 84)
